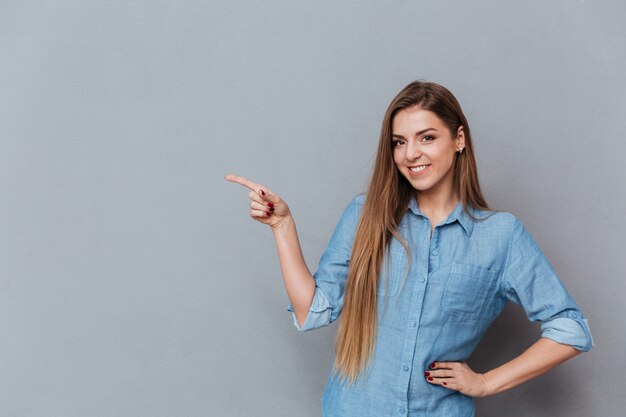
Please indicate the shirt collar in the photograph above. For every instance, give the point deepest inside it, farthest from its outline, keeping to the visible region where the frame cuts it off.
(458, 214)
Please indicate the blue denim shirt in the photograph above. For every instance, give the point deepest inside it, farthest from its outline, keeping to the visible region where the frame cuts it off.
(458, 283)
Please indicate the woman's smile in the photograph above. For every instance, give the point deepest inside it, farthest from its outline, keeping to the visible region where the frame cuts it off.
(418, 169)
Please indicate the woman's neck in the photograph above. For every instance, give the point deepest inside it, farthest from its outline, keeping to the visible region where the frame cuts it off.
(437, 205)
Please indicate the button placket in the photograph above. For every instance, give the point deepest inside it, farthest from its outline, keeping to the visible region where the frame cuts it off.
(435, 242)
(416, 298)
(433, 250)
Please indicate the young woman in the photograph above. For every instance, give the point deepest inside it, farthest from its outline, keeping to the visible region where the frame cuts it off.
(417, 269)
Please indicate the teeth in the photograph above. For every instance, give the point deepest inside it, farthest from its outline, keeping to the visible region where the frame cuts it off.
(419, 168)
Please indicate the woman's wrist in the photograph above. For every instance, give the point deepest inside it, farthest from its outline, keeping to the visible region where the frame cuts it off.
(490, 387)
(287, 223)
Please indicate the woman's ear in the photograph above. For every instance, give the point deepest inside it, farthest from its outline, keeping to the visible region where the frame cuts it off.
(460, 135)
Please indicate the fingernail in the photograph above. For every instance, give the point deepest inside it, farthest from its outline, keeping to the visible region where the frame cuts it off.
(262, 192)
(270, 204)
(445, 383)
(432, 365)
(426, 373)
(430, 379)
(272, 209)
(269, 213)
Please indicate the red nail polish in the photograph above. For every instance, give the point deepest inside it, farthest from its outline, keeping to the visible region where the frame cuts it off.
(445, 383)
(268, 213)
(262, 192)
(430, 379)
(270, 204)
(427, 373)
(271, 209)
(432, 365)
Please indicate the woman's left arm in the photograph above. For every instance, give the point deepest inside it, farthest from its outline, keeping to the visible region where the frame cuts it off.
(528, 280)
(539, 358)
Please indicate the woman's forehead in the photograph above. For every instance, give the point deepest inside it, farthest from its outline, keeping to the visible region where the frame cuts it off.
(413, 120)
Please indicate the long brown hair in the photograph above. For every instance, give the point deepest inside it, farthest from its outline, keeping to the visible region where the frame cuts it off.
(388, 196)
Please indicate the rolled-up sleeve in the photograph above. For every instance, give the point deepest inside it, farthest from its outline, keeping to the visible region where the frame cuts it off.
(332, 271)
(529, 280)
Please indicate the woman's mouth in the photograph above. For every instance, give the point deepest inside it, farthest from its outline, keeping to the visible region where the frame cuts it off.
(418, 169)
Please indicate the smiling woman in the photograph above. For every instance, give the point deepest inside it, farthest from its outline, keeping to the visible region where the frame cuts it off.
(423, 238)
(425, 158)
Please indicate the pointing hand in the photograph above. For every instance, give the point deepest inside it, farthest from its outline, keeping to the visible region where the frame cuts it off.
(265, 206)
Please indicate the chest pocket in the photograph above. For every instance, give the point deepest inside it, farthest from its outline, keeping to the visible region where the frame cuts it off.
(469, 291)
(392, 271)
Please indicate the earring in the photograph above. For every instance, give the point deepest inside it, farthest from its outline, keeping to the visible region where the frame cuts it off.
(460, 149)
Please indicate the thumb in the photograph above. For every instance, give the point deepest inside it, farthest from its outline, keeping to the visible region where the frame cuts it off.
(268, 195)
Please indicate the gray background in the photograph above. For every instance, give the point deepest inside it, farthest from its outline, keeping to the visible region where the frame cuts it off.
(134, 283)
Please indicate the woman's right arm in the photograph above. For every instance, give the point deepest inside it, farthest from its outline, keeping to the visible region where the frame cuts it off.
(316, 300)
(299, 283)
(268, 208)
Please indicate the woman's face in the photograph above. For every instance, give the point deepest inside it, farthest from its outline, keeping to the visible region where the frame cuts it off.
(421, 140)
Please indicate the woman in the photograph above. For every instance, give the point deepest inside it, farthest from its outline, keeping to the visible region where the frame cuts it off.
(417, 269)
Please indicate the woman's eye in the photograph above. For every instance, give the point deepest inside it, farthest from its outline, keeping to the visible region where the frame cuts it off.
(431, 138)
(396, 142)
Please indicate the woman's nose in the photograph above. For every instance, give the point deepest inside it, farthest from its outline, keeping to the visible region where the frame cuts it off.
(412, 152)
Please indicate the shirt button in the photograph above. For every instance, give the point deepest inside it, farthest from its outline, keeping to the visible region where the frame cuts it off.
(402, 411)
(412, 323)
(574, 315)
(405, 368)
(421, 279)
(435, 252)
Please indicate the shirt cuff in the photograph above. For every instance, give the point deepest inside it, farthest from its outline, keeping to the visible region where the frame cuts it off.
(573, 331)
(319, 314)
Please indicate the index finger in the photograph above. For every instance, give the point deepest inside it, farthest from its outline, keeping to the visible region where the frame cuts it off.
(243, 181)
(444, 365)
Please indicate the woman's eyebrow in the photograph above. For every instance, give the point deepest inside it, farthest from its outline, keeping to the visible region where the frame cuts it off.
(416, 134)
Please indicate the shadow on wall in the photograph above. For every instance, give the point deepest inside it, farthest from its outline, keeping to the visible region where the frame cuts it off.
(551, 394)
